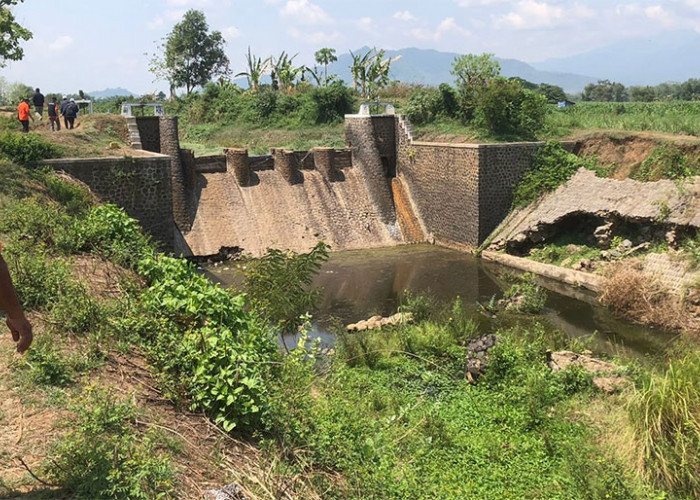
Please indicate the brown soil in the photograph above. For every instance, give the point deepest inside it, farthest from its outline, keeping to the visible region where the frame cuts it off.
(627, 150)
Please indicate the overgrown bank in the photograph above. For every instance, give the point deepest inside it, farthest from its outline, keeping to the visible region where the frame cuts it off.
(388, 415)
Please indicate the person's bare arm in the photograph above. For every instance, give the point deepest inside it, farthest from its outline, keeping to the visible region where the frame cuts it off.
(16, 321)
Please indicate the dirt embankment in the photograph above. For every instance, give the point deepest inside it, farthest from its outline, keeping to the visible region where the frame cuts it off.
(627, 150)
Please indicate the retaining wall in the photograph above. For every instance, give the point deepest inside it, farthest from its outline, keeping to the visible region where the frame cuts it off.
(141, 186)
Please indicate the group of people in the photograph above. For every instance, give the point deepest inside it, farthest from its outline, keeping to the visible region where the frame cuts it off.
(67, 108)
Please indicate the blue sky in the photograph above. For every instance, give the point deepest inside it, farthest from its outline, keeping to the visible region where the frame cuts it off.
(95, 44)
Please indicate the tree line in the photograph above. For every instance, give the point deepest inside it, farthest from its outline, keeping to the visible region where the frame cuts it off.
(607, 91)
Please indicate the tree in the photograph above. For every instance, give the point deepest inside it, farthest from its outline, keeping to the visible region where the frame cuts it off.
(284, 73)
(690, 90)
(325, 56)
(192, 54)
(642, 94)
(473, 73)
(257, 67)
(370, 71)
(605, 91)
(553, 93)
(12, 34)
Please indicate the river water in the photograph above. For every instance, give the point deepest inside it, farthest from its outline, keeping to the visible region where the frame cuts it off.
(359, 284)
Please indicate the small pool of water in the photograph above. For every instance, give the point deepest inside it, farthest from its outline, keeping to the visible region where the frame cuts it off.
(359, 284)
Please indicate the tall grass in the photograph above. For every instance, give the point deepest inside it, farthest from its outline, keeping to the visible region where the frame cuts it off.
(665, 415)
(677, 117)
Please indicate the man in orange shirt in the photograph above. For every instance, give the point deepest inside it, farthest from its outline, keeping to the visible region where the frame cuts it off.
(24, 114)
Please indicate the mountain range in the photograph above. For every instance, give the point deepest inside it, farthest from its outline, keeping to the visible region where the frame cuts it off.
(670, 56)
(119, 91)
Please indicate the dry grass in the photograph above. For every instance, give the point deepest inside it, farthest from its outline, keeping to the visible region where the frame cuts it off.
(636, 295)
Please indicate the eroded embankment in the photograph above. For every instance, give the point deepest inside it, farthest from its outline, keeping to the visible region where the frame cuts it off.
(635, 237)
(270, 213)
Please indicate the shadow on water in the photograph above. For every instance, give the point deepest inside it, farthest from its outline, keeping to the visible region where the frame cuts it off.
(359, 284)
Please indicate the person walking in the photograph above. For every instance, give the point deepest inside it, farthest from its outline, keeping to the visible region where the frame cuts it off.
(64, 103)
(70, 112)
(24, 113)
(38, 100)
(52, 112)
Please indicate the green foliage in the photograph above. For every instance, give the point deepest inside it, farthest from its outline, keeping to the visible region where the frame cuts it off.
(504, 108)
(428, 104)
(525, 295)
(102, 456)
(108, 231)
(551, 167)
(207, 347)
(38, 279)
(27, 149)
(12, 34)
(73, 197)
(192, 55)
(48, 365)
(473, 72)
(277, 285)
(332, 103)
(420, 306)
(666, 162)
(665, 414)
(675, 117)
(605, 91)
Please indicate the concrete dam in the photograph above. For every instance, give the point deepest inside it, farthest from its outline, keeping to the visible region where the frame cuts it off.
(383, 189)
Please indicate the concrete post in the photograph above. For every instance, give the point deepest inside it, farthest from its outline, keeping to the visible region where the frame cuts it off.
(286, 165)
(324, 161)
(237, 162)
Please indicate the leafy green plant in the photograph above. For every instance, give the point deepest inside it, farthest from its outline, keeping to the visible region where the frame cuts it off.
(27, 149)
(47, 364)
(278, 283)
(525, 295)
(551, 167)
(103, 456)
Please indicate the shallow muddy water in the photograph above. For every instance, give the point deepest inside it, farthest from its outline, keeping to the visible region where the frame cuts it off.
(360, 284)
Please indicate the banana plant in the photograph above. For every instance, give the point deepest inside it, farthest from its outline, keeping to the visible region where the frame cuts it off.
(257, 67)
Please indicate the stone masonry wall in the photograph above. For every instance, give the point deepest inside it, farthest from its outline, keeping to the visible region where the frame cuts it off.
(141, 186)
(149, 130)
(371, 138)
(443, 181)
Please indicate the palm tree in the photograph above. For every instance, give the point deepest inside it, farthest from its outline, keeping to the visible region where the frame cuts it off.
(257, 67)
(325, 56)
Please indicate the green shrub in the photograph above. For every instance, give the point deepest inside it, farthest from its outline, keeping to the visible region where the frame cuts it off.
(332, 103)
(666, 162)
(551, 167)
(102, 456)
(109, 231)
(504, 108)
(207, 346)
(73, 197)
(26, 149)
(38, 279)
(525, 295)
(37, 222)
(278, 283)
(48, 364)
(419, 305)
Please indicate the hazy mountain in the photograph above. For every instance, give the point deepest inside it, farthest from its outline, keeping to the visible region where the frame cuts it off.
(431, 67)
(671, 56)
(102, 94)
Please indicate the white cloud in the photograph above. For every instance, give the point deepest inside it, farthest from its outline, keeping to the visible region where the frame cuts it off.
(478, 3)
(318, 37)
(659, 14)
(189, 3)
(447, 25)
(366, 24)
(305, 12)
(61, 43)
(231, 32)
(531, 14)
(156, 23)
(404, 16)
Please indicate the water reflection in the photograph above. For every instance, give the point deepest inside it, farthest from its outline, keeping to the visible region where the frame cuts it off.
(360, 284)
